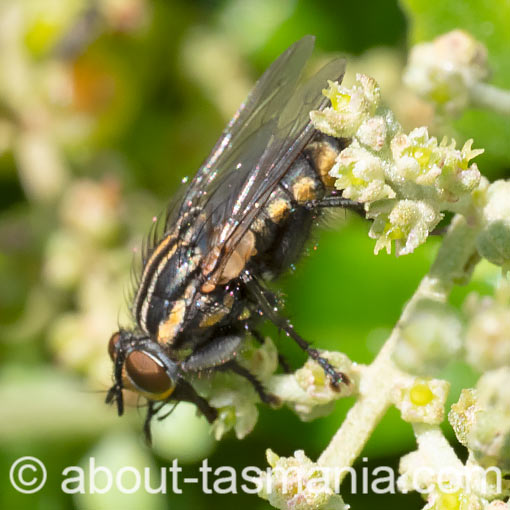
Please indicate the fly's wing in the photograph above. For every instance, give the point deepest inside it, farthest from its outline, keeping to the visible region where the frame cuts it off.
(258, 165)
(240, 146)
(289, 137)
(245, 130)
(258, 146)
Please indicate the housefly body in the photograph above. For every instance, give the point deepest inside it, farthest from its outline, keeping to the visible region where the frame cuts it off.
(242, 221)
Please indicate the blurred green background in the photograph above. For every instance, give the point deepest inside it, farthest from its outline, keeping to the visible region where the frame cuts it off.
(104, 107)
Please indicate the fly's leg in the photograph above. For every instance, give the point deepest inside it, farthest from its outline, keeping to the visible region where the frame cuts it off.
(281, 359)
(153, 409)
(219, 354)
(235, 367)
(216, 352)
(337, 201)
(259, 293)
(183, 392)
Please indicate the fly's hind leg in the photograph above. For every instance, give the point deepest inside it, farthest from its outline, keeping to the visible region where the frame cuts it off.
(259, 293)
(337, 201)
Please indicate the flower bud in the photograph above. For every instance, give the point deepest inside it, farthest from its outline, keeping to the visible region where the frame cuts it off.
(443, 70)
(421, 400)
(481, 419)
(488, 332)
(429, 338)
(493, 242)
(298, 483)
(408, 223)
(489, 439)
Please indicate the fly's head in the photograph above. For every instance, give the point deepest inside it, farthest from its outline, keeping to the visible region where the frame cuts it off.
(140, 365)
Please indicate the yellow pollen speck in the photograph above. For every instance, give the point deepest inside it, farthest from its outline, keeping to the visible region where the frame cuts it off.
(245, 314)
(338, 101)
(449, 501)
(421, 395)
(210, 320)
(421, 155)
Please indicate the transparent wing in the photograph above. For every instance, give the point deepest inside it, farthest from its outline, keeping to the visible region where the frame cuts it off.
(264, 102)
(256, 149)
(285, 138)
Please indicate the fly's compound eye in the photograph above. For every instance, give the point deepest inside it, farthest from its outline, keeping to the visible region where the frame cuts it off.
(112, 345)
(148, 375)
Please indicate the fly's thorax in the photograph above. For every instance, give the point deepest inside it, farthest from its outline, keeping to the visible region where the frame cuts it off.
(207, 315)
(167, 287)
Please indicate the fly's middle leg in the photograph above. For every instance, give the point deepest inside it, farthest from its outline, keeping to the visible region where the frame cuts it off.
(259, 294)
(266, 397)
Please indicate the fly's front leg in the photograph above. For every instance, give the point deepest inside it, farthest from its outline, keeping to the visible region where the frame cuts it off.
(183, 392)
(152, 409)
(214, 353)
(219, 353)
(260, 295)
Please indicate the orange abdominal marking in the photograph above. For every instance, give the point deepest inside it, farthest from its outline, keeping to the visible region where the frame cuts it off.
(278, 209)
(304, 190)
(324, 157)
(235, 264)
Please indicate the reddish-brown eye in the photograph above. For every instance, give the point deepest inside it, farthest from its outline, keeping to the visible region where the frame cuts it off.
(148, 375)
(112, 345)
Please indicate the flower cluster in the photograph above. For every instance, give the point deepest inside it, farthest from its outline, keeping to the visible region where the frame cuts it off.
(297, 483)
(407, 182)
(488, 330)
(404, 180)
(481, 419)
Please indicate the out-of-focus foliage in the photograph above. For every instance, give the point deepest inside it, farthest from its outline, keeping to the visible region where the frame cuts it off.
(104, 107)
(488, 22)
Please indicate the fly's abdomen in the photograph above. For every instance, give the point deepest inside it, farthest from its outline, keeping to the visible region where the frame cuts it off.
(283, 227)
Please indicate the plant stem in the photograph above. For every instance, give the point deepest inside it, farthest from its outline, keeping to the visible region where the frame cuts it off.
(490, 97)
(452, 265)
(437, 450)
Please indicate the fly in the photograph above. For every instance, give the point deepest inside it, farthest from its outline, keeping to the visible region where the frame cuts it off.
(242, 220)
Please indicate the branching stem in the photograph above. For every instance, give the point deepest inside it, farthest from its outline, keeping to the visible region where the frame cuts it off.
(490, 97)
(452, 264)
